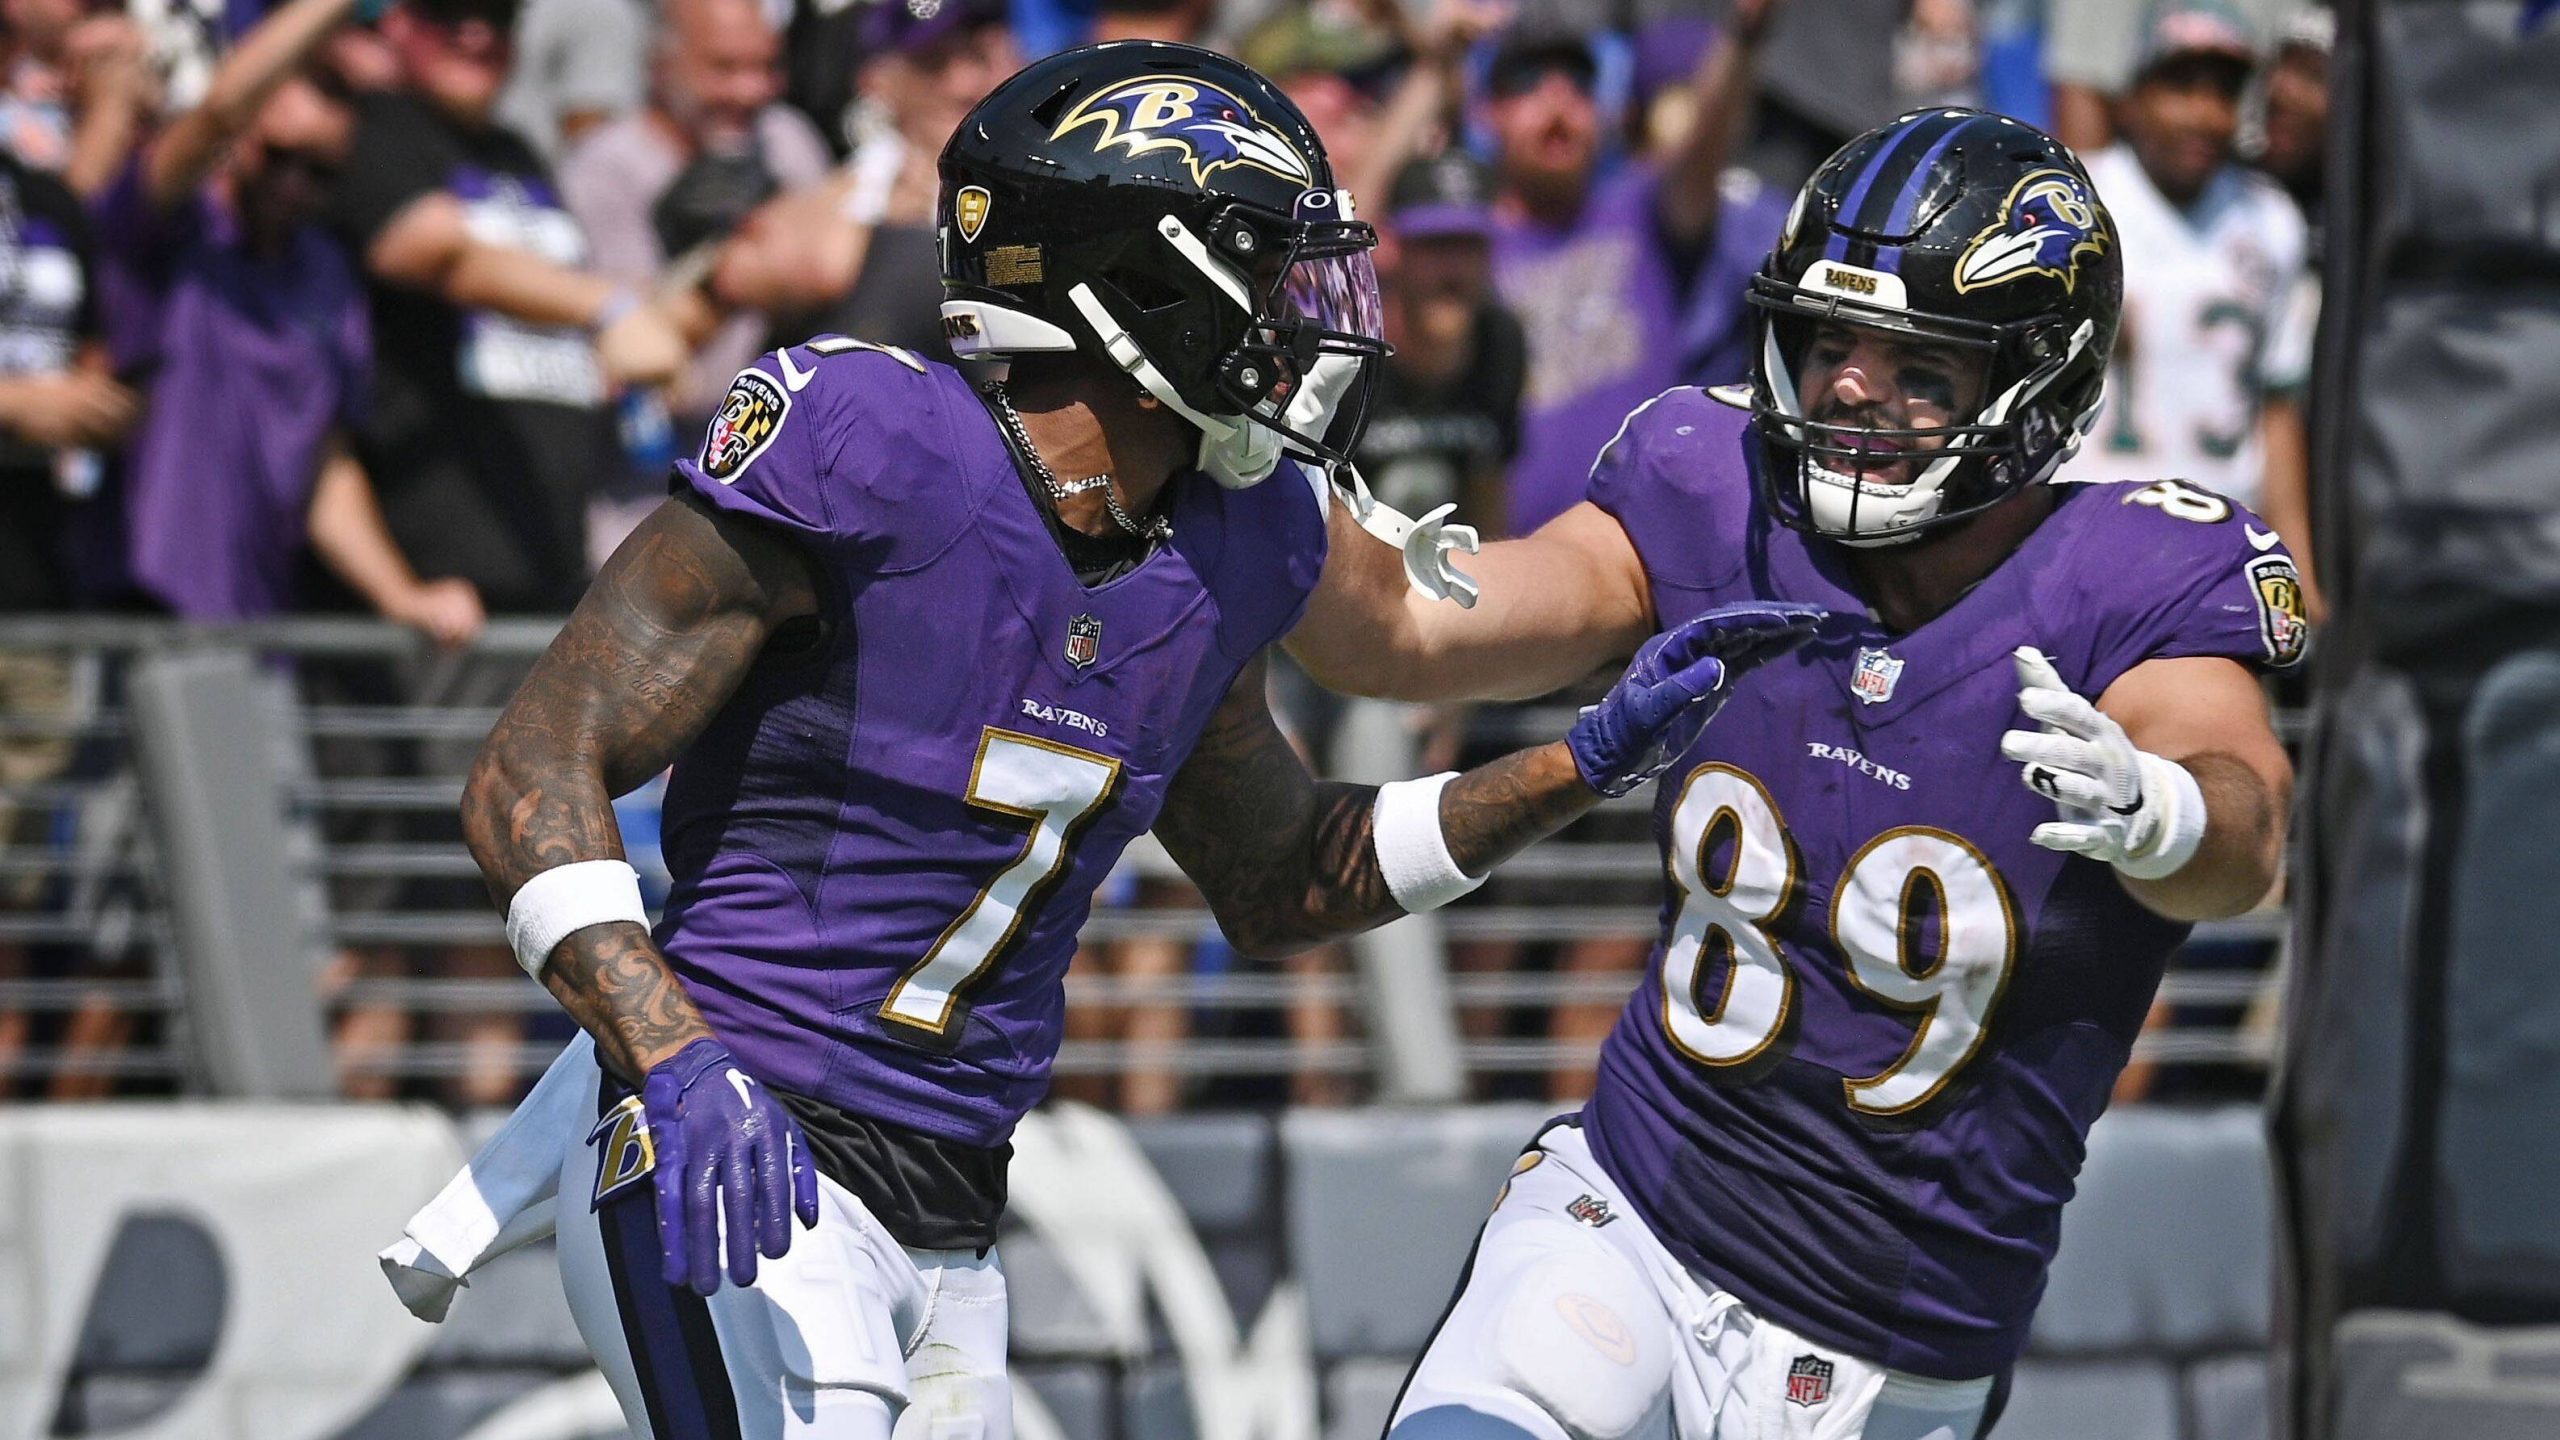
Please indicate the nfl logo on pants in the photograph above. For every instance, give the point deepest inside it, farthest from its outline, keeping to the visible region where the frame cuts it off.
(1808, 1381)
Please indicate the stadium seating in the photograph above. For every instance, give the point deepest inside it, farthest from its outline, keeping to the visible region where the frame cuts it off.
(2152, 1329)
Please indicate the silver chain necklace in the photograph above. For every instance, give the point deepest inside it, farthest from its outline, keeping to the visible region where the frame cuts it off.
(1156, 530)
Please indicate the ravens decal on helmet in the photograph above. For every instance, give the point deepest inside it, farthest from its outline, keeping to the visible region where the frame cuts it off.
(2046, 225)
(1209, 127)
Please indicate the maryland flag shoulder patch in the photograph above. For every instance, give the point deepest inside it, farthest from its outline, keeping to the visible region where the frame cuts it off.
(750, 416)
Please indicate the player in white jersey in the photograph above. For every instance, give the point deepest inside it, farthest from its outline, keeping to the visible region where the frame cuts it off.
(2218, 298)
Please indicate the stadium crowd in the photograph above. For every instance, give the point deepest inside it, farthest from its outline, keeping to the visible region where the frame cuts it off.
(331, 306)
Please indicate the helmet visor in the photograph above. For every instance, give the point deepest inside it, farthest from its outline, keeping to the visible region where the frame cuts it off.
(1309, 367)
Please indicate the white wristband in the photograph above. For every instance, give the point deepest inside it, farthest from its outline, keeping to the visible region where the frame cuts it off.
(1412, 853)
(568, 898)
(2181, 833)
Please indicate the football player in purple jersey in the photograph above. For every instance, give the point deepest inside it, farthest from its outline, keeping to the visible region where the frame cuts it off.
(1923, 876)
(925, 658)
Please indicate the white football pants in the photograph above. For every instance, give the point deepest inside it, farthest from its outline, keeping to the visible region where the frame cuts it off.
(1574, 1323)
(849, 1336)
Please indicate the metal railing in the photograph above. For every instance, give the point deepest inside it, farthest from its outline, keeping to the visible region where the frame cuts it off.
(93, 937)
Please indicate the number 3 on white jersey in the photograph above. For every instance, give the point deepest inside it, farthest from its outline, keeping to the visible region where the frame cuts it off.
(1056, 787)
(1877, 911)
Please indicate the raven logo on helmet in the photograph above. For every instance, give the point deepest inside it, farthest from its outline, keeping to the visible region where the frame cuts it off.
(1211, 129)
(2048, 222)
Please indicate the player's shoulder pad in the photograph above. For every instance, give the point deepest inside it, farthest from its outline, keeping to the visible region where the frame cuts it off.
(823, 439)
(2196, 569)
(1677, 478)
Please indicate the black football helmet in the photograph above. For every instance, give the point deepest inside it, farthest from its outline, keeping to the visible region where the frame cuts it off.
(1967, 229)
(1167, 211)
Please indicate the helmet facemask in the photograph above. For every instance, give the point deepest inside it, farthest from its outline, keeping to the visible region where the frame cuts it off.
(1288, 360)
(1978, 458)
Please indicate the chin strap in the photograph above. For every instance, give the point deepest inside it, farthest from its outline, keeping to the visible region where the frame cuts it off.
(1426, 543)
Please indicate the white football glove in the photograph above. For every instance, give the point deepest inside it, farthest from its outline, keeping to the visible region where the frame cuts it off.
(1427, 543)
(2125, 806)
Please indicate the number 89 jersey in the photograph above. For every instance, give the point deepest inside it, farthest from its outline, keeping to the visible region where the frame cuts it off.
(1878, 1022)
(884, 844)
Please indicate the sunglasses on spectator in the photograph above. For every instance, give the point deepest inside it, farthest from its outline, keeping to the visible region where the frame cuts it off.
(316, 166)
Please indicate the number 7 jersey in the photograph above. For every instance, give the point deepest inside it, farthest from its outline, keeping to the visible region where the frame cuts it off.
(1879, 1022)
(884, 844)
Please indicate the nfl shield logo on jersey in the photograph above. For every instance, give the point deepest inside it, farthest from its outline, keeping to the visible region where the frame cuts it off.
(1808, 1381)
(1873, 683)
(1084, 640)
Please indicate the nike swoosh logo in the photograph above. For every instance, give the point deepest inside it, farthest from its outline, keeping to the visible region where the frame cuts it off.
(2258, 539)
(798, 379)
(739, 1083)
(2133, 809)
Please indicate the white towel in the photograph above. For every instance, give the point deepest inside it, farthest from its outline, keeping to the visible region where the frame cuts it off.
(504, 1197)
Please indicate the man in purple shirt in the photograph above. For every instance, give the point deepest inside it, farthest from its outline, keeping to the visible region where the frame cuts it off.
(1919, 891)
(1597, 261)
(926, 658)
(245, 323)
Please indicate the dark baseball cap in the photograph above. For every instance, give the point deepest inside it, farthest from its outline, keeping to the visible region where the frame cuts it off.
(1447, 194)
(906, 26)
(1531, 49)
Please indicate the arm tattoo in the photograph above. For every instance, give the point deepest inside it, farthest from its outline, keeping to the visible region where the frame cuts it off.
(1283, 858)
(652, 652)
(613, 982)
(1287, 860)
(1501, 807)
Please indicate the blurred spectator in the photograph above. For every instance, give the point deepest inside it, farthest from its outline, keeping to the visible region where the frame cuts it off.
(1715, 335)
(1830, 70)
(2293, 147)
(712, 144)
(1335, 63)
(1417, 119)
(493, 344)
(1446, 418)
(2092, 48)
(1937, 55)
(2292, 132)
(244, 323)
(59, 406)
(58, 409)
(855, 254)
(74, 89)
(578, 64)
(494, 347)
(2215, 348)
(1599, 264)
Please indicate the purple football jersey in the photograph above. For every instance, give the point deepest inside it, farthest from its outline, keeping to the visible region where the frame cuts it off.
(882, 852)
(1878, 1023)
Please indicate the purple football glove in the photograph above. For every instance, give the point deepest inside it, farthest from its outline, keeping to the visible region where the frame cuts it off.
(1674, 687)
(732, 1166)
